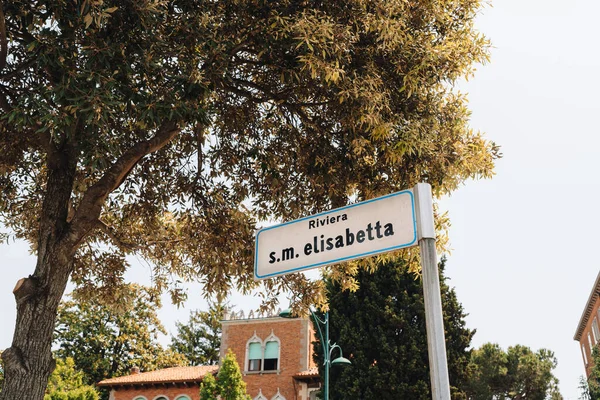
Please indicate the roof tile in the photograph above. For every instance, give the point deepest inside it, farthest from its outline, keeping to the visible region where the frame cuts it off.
(175, 374)
(310, 373)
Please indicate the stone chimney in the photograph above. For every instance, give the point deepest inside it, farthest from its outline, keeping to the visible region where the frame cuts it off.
(135, 370)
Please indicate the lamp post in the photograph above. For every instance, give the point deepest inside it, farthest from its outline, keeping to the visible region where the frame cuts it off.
(328, 347)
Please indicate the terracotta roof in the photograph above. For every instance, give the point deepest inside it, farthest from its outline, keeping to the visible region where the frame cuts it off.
(167, 375)
(310, 373)
(587, 311)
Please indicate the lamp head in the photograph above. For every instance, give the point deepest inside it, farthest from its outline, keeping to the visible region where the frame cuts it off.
(341, 361)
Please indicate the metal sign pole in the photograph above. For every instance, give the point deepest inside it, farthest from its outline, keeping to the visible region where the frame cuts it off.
(436, 343)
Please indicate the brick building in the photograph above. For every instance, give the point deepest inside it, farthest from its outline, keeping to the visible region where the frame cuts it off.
(588, 331)
(178, 383)
(274, 354)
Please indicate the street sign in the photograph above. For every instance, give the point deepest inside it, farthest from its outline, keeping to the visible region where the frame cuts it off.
(359, 230)
(387, 223)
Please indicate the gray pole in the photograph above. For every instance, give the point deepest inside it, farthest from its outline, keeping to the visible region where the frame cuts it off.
(436, 342)
(327, 354)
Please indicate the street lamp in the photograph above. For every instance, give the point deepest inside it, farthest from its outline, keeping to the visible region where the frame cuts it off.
(327, 346)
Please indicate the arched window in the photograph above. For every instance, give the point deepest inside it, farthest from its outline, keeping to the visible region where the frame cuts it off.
(260, 396)
(161, 397)
(182, 397)
(140, 398)
(271, 356)
(278, 396)
(254, 354)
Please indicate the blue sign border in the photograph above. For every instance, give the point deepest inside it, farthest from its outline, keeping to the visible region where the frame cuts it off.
(306, 267)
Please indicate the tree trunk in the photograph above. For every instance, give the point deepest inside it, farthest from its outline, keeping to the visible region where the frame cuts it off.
(28, 363)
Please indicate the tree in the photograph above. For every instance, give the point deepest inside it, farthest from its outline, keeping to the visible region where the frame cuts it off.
(106, 341)
(209, 390)
(381, 329)
(1, 372)
(66, 383)
(200, 339)
(590, 387)
(167, 128)
(229, 384)
(584, 389)
(518, 373)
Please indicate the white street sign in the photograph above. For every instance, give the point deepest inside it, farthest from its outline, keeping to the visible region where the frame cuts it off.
(375, 226)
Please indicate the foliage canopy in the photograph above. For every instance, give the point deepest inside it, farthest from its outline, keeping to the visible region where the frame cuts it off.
(381, 329)
(209, 390)
(66, 383)
(106, 342)
(591, 385)
(518, 373)
(259, 109)
(229, 384)
(200, 339)
(168, 129)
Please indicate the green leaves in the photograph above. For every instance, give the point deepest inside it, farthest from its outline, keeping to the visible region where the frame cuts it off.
(229, 384)
(200, 339)
(107, 340)
(387, 307)
(209, 390)
(230, 381)
(282, 109)
(1, 372)
(514, 374)
(66, 383)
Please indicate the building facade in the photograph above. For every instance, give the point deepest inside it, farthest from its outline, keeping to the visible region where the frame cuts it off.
(588, 329)
(275, 356)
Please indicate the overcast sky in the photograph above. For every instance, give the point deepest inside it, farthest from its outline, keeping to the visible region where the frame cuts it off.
(525, 242)
(523, 260)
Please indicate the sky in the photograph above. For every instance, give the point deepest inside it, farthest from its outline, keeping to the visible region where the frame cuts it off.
(523, 257)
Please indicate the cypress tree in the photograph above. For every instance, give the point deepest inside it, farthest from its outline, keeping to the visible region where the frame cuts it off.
(229, 384)
(209, 389)
(381, 329)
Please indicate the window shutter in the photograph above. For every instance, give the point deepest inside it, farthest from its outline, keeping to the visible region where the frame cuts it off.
(254, 352)
(272, 350)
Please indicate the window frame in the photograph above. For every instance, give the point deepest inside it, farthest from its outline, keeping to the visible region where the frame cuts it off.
(260, 396)
(278, 396)
(252, 340)
(272, 339)
(255, 339)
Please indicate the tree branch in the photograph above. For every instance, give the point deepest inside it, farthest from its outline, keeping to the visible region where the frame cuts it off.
(25, 288)
(126, 247)
(282, 97)
(3, 41)
(89, 209)
(6, 77)
(14, 360)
